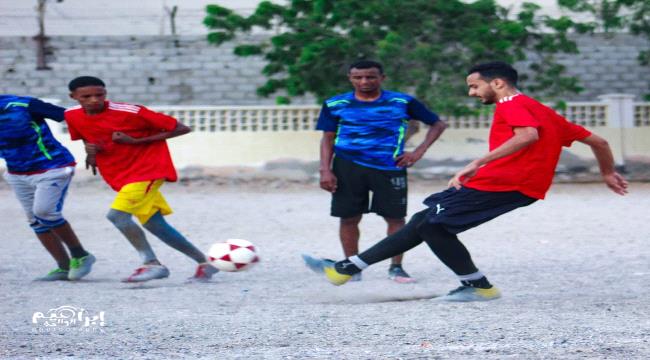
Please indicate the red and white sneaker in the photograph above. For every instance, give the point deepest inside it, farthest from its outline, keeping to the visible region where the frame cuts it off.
(203, 272)
(147, 272)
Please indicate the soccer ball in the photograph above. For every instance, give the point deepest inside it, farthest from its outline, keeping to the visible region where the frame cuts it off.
(233, 255)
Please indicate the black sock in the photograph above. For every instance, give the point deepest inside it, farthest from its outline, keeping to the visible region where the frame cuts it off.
(395, 266)
(346, 267)
(78, 252)
(481, 283)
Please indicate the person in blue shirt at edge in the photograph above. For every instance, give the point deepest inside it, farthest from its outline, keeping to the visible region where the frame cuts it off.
(362, 151)
(39, 171)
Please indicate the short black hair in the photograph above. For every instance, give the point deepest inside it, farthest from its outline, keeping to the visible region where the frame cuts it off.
(496, 69)
(82, 81)
(366, 64)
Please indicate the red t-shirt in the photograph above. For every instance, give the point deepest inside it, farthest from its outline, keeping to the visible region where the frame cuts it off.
(121, 164)
(531, 169)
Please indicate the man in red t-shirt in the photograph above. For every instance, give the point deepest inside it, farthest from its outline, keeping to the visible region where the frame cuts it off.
(127, 144)
(526, 139)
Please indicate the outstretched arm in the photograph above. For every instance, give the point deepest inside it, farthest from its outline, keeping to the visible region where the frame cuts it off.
(410, 158)
(122, 138)
(603, 153)
(524, 136)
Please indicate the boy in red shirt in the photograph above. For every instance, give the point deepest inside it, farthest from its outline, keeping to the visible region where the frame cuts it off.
(127, 144)
(526, 139)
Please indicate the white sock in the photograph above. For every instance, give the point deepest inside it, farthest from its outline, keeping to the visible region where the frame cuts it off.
(469, 277)
(358, 262)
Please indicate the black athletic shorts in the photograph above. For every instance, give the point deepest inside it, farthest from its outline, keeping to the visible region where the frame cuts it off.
(460, 210)
(355, 183)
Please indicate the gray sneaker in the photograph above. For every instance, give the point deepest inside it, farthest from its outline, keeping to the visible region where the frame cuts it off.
(54, 275)
(80, 267)
(148, 272)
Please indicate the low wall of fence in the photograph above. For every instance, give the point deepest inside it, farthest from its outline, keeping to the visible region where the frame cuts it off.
(254, 135)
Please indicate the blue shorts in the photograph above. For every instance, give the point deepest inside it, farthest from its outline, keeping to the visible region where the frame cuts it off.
(460, 210)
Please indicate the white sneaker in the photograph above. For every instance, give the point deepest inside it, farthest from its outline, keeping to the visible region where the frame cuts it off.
(148, 272)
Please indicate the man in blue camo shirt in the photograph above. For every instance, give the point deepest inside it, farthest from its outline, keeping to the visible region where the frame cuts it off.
(362, 152)
(39, 170)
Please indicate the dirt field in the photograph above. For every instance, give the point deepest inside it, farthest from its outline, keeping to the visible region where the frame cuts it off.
(573, 270)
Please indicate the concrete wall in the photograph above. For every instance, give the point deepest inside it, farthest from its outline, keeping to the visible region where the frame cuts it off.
(151, 70)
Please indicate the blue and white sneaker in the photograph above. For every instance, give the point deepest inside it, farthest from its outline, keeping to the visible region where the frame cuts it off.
(468, 293)
(314, 264)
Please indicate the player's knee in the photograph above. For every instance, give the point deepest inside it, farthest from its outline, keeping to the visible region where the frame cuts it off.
(48, 217)
(119, 219)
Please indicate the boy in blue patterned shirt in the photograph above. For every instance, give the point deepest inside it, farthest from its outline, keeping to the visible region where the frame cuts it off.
(39, 170)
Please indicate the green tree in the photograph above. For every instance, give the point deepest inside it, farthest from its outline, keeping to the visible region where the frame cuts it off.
(425, 45)
(616, 15)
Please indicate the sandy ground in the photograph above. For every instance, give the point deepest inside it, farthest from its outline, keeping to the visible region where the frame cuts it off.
(573, 269)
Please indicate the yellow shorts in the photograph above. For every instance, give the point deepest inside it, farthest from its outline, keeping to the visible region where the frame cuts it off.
(142, 199)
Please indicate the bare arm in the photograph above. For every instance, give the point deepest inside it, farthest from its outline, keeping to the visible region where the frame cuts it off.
(603, 153)
(410, 158)
(122, 138)
(523, 137)
(327, 177)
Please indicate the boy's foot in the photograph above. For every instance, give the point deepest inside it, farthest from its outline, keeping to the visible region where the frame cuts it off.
(148, 272)
(327, 267)
(54, 275)
(398, 275)
(203, 273)
(80, 267)
(468, 293)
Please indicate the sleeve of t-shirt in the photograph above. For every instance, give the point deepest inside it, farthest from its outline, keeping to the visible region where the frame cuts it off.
(417, 111)
(72, 130)
(157, 120)
(42, 109)
(516, 115)
(326, 120)
(572, 132)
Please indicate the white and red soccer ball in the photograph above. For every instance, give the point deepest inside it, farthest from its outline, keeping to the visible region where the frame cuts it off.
(233, 255)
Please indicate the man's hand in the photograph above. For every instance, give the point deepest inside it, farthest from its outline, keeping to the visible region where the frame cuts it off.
(407, 159)
(122, 138)
(92, 149)
(91, 163)
(463, 175)
(616, 182)
(328, 180)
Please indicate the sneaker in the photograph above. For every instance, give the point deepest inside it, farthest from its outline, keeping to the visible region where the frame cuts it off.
(356, 277)
(326, 266)
(468, 293)
(204, 272)
(54, 275)
(398, 275)
(314, 264)
(80, 267)
(148, 272)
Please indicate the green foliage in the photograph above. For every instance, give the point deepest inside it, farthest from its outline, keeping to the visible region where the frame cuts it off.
(426, 46)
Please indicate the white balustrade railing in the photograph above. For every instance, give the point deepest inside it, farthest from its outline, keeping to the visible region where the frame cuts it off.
(224, 119)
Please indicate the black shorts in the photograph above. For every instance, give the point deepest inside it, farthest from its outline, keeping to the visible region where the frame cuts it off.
(355, 182)
(460, 210)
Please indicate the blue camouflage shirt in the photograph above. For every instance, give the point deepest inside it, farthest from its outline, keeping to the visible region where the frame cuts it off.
(26, 142)
(371, 133)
